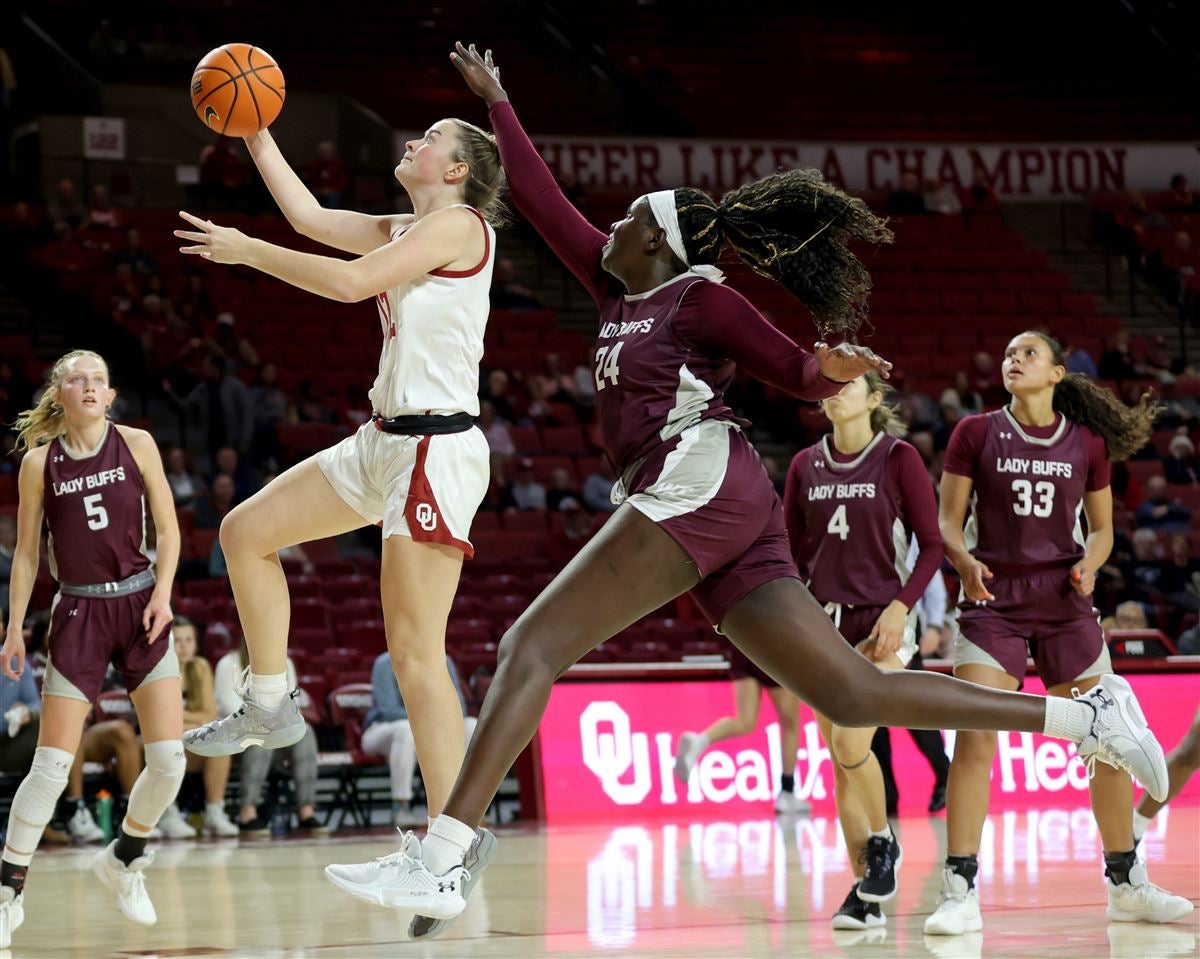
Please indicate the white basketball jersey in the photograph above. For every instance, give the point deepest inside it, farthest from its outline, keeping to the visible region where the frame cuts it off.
(433, 339)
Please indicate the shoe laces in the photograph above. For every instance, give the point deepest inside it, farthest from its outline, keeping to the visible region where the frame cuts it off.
(399, 857)
(878, 853)
(1104, 750)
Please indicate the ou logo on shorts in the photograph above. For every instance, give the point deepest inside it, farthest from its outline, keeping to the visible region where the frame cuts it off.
(426, 517)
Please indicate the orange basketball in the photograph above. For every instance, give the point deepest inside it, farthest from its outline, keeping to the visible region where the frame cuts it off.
(237, 90)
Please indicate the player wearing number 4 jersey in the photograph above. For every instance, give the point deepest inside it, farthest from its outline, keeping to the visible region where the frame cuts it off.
(1031, 474)
(699, 512)
(419, 469)
(91, 480)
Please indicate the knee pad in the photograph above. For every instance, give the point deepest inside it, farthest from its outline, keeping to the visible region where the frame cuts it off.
(158, 783)
(33, 805)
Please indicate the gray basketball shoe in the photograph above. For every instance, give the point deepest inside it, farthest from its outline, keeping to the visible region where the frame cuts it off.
(475, 862)
(249, 725)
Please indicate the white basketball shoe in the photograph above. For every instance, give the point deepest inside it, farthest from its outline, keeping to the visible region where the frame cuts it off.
(174, 826)
(1139, 900)
(691, 745)
(128, 882)
(957, 909)
(12, 914)
(403, 881)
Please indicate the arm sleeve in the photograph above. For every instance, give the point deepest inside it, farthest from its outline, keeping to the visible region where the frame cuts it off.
(536, 194)
(907, 471)
(793, 512)
(721, 322)
(1099, 473)
(965, 446)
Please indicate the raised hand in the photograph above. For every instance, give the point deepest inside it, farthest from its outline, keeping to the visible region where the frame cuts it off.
(221, 244)
(481, 73)
(846, 362)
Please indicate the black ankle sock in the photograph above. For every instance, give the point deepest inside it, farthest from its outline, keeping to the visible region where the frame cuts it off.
(787, 783)
(1118, 864)
(965, 866)
(12, 875)
(128, 847)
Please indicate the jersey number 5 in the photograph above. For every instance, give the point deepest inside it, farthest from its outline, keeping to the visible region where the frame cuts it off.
(838, 525)
(97, 514)
(1026, 491)
(606, 365)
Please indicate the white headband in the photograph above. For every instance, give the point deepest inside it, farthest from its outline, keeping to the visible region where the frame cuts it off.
(662, 205)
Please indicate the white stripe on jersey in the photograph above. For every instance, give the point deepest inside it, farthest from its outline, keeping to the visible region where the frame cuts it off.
(433, 339)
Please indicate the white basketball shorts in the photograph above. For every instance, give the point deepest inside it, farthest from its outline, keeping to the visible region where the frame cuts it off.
(425, 487)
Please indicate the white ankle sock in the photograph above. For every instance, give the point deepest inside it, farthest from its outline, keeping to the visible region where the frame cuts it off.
(446, 844)
(269, 690)
(884, 833)
(1068, 719)
(213, 809)
(1140, 824)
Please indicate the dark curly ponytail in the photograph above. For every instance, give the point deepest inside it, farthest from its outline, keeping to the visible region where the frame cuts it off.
(1126, 429)
(795, 228)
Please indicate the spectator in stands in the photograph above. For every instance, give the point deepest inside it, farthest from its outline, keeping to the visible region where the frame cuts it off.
(269, 407)
(985, 382)
(1180, 197)
(185, 485)
(498, 393)
(585, 381)
(969, 401)
(1117, 361)
(508, 292)
(101, 214)
(941, 197)
(217, 412)
(597, 488)
(140, 260)
(257, 763)
(234, 351)
(223, 176)
(952, 412)
(200, 706)
(1180, 465)
(327, 176)
(562, 493)
(308, 406)
(526, 492)
(196, 305)
(229, 463)
(1139, 575)
(8, 544)
(104, 45)
(554, 383)
(907, 198)
(1158, 512)
(212, 508)
(1080, 360)
(65, 206)
(499, 439)
(387, 732)
(570, 538)
(1180, 580)
(1129, 615)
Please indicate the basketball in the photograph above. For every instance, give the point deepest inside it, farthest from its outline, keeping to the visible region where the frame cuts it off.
(237, 90)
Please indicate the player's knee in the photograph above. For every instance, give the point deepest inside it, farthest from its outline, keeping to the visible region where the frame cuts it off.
(240, 534)
(522, 653)
(166, 758)
(846, 747)
(411, 664)
(743, 725)
(975, 747)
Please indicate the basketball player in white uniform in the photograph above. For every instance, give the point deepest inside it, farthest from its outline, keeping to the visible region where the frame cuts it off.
(419, 468)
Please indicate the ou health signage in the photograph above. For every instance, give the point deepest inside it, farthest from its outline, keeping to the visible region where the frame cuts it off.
(1018, 171)
(608, 752)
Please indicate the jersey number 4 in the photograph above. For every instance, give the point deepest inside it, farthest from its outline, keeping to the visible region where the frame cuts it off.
(606, 365)
(97, 514)
(838, 525)
(1026, 491)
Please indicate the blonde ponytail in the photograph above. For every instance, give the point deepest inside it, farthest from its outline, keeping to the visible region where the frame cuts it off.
(47, 419)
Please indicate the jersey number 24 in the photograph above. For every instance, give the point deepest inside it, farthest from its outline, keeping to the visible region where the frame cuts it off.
(606, 365)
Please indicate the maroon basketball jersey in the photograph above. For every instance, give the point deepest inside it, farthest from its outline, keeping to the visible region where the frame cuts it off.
(95, 508)
(1028, 496)
(651, 383)
(858, 537)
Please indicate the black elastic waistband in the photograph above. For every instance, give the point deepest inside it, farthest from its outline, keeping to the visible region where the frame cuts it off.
(424, 425)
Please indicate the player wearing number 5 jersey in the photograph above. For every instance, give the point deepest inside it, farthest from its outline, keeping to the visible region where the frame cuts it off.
(854, 503)
(1035, 477)
(90, 479)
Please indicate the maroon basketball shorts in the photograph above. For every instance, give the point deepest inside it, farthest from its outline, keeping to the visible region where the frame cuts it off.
(87, 634)
(1038, 614)
(707, 488)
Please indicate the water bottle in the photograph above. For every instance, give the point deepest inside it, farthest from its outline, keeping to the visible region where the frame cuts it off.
(104, 813)
(280, 819)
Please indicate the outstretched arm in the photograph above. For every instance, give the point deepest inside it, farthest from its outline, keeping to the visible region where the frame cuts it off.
(534, 191)
(434, 242)
(340, 229)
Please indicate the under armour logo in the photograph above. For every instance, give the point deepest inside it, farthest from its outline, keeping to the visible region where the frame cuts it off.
(73, 612)
(59, 458)
(819, 464)
(1005, 436)
(446, 887)
(426, 517)
(1103, 698)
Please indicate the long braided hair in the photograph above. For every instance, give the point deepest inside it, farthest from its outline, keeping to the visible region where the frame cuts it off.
(795, 228)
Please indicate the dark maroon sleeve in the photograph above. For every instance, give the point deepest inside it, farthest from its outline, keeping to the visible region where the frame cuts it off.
(793, 511)
(536, 194)
(965, 446)
(907, 470)
(1099, 469)
(723, 323)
